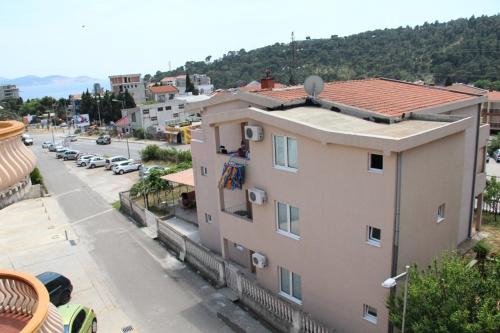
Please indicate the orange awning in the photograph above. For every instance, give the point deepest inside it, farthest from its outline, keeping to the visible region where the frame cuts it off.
(185, 177)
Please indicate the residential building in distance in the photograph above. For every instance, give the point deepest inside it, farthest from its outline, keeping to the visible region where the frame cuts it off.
(323, 198)
(168, 81)
(202, 82)
(163, 93)
(130, 82)
(74, 104)
(8, 91)
(97, 89)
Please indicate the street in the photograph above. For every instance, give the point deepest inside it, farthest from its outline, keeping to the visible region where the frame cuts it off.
(154, 290)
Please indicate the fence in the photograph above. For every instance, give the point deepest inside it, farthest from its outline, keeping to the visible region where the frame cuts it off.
(281, 314)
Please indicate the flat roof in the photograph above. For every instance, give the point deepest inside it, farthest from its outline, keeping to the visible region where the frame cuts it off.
(185, 177)
(332, 121)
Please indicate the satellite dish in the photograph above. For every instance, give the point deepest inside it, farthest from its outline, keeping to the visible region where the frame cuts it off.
(313, 85)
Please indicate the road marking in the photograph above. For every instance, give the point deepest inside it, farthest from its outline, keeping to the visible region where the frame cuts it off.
(92, 216)
(65, 193)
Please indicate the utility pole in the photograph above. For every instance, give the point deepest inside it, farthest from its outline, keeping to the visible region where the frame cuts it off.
(99, 110)
(293, 49)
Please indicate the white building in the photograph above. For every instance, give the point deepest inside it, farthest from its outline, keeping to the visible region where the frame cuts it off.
(131, 83)
(202, 82)
(8, 91)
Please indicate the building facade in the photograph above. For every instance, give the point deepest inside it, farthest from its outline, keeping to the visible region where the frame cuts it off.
(130, 82)
(8, 91)
(339, 192)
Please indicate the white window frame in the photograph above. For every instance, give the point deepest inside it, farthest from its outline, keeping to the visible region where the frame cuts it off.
(208, 218)
(441, 213)
(284, 294)
(369, 239)
(203, 170)
(286, 167)
(369, 317)
(289, 222)
(375, 170)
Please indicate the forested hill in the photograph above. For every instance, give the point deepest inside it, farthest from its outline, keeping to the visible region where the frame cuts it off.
(465, 50)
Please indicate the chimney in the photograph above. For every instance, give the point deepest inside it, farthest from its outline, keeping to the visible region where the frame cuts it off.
(267, 82)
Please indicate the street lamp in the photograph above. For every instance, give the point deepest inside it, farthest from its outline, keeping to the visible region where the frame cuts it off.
(392, 282)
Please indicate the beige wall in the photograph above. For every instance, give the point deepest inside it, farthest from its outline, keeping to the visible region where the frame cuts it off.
(431, 175)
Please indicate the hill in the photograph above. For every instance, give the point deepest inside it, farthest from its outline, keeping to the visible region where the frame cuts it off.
(465, 50)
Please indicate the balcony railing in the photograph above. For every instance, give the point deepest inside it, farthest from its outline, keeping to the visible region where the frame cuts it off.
(240, 211)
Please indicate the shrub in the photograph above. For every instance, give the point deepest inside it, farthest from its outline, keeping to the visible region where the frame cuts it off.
(139, 133)
(77, 131)
(151, 152)
(184, 156)
(482, 249)
(150, 136)
(36, 177)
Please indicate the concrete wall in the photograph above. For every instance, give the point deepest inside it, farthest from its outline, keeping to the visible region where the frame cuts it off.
(337, 199)
(431, 175)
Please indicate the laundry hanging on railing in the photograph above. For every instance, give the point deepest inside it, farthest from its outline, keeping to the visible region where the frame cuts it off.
(233, 176)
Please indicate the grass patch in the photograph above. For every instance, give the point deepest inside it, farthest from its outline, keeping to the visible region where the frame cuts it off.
(489, 219)
(116, 205)
(164, 164)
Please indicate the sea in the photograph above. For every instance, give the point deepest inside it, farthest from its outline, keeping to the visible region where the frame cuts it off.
(59, 90)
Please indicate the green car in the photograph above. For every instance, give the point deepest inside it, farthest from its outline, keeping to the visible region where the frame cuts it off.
(78, 319)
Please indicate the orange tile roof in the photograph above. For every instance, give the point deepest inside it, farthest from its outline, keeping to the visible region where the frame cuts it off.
(383, 96)
(163, 89)
(185, 177)
(494, 95)
(460, 87)
(168, 78)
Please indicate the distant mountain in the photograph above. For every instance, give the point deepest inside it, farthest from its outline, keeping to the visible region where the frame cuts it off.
(462, 50)
(32, 86)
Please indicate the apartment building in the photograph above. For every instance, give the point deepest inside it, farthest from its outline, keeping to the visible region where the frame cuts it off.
(130, 82)
(327, 197)
(162, 93)
(202, 82)
(8, 91)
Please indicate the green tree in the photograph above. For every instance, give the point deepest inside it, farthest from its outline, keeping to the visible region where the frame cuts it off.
(450, 296)
(492, 195)
(190, 86)
(129, 100)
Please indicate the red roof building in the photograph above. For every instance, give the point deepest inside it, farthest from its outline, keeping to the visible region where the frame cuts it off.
(163, 90)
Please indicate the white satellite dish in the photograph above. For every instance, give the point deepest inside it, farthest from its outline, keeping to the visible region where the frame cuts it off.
(314, 85)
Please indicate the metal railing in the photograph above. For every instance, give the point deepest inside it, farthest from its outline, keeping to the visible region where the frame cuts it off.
(240, 211)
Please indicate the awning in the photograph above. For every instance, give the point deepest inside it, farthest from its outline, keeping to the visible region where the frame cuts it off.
(185, 177)
(172, 132)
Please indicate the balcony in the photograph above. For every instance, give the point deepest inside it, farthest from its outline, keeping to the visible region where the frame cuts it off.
(230, 141)
(25, 305)
(243, 211)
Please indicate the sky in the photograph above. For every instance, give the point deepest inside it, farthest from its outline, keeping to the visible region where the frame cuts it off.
(98, 38)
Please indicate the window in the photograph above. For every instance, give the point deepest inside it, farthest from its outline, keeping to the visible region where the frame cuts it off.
(373, 237)
(204, 171)
(77, 323)
(154, 118)
(160, 108)
(376, 162)
(285, 152)
(145, 111)
(370, 313)
(175, 115)
(171, 96)
(287, 220)
(440, 216)
(290, 285)
(168, 108)
(208, 218)
(133, 117)
(181, 106)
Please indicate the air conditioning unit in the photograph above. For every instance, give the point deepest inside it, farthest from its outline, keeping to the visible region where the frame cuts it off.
(257, 196)
(259, 260)
(254, 133)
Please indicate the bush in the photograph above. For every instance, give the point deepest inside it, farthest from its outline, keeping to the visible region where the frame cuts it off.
(150, 136)
(139, 133)
(482, 249)
(77, 131)
(36, 177)
(151, 152)
(184, 156)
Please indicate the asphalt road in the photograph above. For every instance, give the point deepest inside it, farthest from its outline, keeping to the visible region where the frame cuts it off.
(157, 292)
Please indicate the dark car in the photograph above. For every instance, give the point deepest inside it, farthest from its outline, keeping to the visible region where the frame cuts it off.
(103, 140)
(58, 286)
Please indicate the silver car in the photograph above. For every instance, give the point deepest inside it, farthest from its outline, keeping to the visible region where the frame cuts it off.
(46, 144)
(70, 155)
(146, 170)
(60, 152)
(96, 161)
(84, 160)
(111, 161)
(126, 166)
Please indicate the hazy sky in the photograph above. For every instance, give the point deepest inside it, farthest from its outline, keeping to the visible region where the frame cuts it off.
(45, 37)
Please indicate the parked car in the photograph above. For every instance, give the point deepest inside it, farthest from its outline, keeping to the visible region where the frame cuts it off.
(84, 160)
(103, 140)
(126, 166)
(77, 318)
(53, 147)
(70, 155)
(58, 286)
(144, 171)
(70, 137)
(46, 144)
(96, 161)
(113, 160)
(60, 152)
(27, 139)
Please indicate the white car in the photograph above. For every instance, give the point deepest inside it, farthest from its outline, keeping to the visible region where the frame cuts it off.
(46, 144)
(96, 161)
(111, 162)
(126, 166)
(84, 160)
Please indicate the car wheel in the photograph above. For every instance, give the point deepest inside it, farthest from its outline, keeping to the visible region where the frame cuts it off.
(138, 168)
(121, 172)
(65, 158)
(94, 325)
(65, 297)
(92, 166)
(84, 164)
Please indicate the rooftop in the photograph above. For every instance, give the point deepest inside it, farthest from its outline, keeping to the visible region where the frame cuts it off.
(163, 89)
(167, 79)
(382, 96)
(494, 95)
(465, 88)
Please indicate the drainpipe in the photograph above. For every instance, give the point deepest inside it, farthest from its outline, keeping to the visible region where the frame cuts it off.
(397, 219)
(471, 212)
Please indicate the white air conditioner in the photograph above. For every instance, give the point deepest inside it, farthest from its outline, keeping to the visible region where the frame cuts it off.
(259, 260)
(257, 196)
(254, 133)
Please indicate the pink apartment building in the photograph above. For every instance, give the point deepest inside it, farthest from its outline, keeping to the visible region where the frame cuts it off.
(340, 191)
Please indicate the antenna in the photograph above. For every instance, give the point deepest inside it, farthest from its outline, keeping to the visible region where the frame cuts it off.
(293, 50)
(313, 85)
